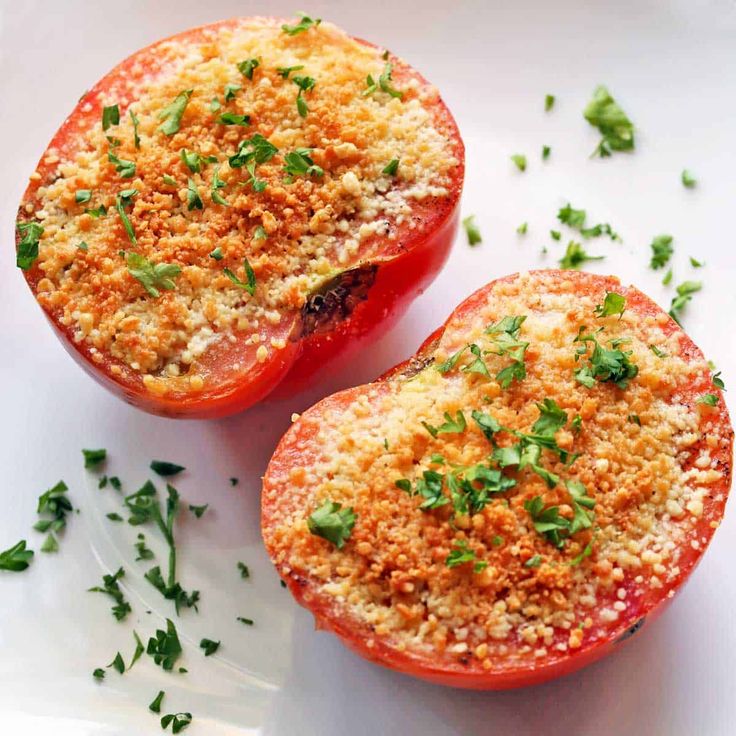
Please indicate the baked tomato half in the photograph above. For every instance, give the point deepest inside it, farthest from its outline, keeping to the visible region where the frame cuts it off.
(516, 500)
(237, 203)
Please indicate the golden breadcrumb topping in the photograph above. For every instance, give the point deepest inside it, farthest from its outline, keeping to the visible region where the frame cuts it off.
(491, 583)
(197, 210)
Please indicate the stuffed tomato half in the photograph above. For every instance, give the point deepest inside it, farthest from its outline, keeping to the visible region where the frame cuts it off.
(517, 499)
(238, 203)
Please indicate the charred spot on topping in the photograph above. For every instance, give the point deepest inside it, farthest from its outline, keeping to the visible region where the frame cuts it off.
(335, 300)
(631, 630)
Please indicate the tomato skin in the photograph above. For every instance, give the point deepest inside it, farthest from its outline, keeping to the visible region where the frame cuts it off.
(297, 446)
(406, 265)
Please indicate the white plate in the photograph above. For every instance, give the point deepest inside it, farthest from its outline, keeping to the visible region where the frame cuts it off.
(672, 68)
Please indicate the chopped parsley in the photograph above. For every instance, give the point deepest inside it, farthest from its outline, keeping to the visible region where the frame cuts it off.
(198, 511)
(122, 200)
(260, 233)
(113, 516)
(575, 219)
(28, 245)
(249, 284)
(136, 122)
(391, 167)
(243, 620)
(717, 380)
(575, 256)
(707, 399)
(166, 469)
(661, 251)
(118, 663)
(98, 674)
(152, 276)
(233, 118)
(617, 131)
(522, 228)
(246, 68)
(520, 160)
(385, 82)
(165, 647)
(126, 169)
(634, 419)
(546, 151)
(172, 113)
(472, 230)
(169, 180)
(549, 102)
(178, 721)
(82, 195)
(244, 571)
(143, 552)
(232, 89)
(461, 553)
(209, 647)
(110, 116)
(505, 336)
(332, 522)
(194, 201)
(299, 163)
(16, 558)
(216, 254)
(667, 278)
(192, 160)
(144, 507)
(110, 587)
(139, 649)
(612, 304)
(687, 179)
(657, 351)
(603, 364)
(93, 458)
(450, 425)
(284, 71)
(155, 705)
(217, 184)
(695, 263)
(304, 24)
(305, 84)
(82, 245)
(684, 295)
(256, 148)
(56, 503)
(534, 561)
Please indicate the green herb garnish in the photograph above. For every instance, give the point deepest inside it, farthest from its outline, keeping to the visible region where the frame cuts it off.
(472, 230)
(178, 721)
(111, 588)
(152, 276)
(165, 647)
(28, 245)
(612, 304)
(246, 68)
(604, 113)
(575, 256)
(391, 167)
(93, 458)
(209, 647)
(688, 180)
(332, 522)
(661, 251)
(110, 116)
(172, 113)
(244, 571)
(304, 24)
(166, 469)
(17, 558)
(685, 293)
(299, 163)
(198, 511)
(249, 284)
(155, 706)
(520, 160)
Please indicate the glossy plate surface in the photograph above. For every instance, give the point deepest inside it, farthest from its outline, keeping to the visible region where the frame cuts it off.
(671, 68)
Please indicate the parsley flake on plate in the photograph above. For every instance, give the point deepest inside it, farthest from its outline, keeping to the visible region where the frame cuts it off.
(575, 256)
(661, 251)
(604, 113)
(472, 230)
(17, 558)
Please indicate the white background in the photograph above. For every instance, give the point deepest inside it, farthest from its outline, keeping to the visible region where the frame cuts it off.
(672, 67)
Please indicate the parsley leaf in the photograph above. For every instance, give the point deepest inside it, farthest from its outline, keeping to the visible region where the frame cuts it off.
(126, 169)
(685, 293)
(604, 364)
(143, 552)
(110, 116)
(546, 151)
(244, 571)
(166, 469)
(612, 304)
(575, 256)
(122, 200)
(155, 705)
(118, 663)
(198, 511)
(28, 245)
(460, 554)
(246, 68)
(257, 148)
(549, 102)
(209, 647)
(82, 195)
(688, 180)
(385, 82)
(217, 184)
(391, 167)
(152, 276)
(505, 336)
(250, 284)
(450, 425)
(54, 502)
(284, 71)
(471, 230)
(99, 674)
(332, 522)
(194, 201)
(93, 458)
(243, 620)
(304, 24)
(522, 228)
(178, 721)
(707, 399)
(17, 558)
(233, 118)
(581, 505)
(165, 647)
(520, 160)
(305, 84)
(661, 251)
(547, 521)
(299, 163)
(111, 588)
(136, 123)
(604, 113)
(172, 113)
